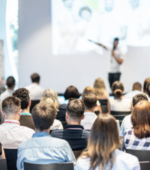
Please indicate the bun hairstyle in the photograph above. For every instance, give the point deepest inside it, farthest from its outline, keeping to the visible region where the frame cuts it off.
(117, 89)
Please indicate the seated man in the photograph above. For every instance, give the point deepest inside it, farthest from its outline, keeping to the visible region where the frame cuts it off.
(42, 148)
(74, 133)
(26, 117)
(35, 90)
(126, 123)
(11, 133)
(90, 102)
(10, 83)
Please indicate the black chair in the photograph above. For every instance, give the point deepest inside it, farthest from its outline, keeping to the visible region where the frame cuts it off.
(61, 166)
(77, 153)
(64, 123)
(11, 158)
(104, 106)
(33, 103)
(3, 165)
(145, 165)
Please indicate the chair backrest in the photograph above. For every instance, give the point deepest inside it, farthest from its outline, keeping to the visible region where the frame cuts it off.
(104, 106)
(142, 155)
(61, 166)
(3, 165)
(64, 123)
(120, 115)
(145, 165)
(11, 158)
(77, 153)
(33, 103)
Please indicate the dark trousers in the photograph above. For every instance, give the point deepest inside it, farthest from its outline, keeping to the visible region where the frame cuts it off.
(112, 77)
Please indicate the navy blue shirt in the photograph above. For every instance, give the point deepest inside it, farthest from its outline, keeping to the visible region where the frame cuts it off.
(75, 135)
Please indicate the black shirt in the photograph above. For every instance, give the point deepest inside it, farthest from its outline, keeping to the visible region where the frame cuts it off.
(75, 135)
(61, 115)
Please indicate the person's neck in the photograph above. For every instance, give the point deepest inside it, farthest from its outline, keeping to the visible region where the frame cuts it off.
(73, 123)
(12, 118)
(36, 83)
(119, 97)
(27, 110)
(39, 131)
(10, 88)
(88, 110)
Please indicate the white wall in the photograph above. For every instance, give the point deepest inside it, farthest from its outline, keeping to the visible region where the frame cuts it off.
(58, 72)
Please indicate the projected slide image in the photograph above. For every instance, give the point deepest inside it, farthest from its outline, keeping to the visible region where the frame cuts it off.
(74, 22)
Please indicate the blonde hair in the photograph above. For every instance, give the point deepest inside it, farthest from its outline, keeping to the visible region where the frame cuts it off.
(88, 89)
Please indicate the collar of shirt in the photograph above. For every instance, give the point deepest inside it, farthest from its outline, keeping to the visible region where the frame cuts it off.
(27, 114)
(75, 127)
(12, 121)
(40, 134)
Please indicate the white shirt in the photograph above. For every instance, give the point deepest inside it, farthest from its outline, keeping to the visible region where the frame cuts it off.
(114, 66)
(131, 94)
(120, 104)
(36, 91)
(126, 124)
(12, 134)
(56, 125)
(88, 120)
(123, 161)
(5, 94)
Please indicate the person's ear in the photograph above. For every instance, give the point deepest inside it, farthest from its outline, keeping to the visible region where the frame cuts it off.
(19, 113)
(30, 103)
(3, 114)
(83, 116)
(67, 115)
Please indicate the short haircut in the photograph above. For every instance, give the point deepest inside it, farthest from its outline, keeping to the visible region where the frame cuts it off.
(10, 82)
(137, 86)
(117, 89)
(23, 95)
(35, 78)
(43, 116)
(75, 108)
(11, 105)
(71, 92)
(138, 98)
(90, 100)
(85, 8)
(145, 85)
(148, 89)
(116, 39)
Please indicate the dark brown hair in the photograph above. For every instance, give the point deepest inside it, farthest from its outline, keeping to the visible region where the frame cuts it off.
(90, 100)
(117, 89)
(103, 141)
(10, 82)
(141, 119)
(11, 105)
(71, 92)
(138, 98)
(43, 116)
(145, 85)
(137, 86)
(23, 95)
(148, 89)
(35, 78)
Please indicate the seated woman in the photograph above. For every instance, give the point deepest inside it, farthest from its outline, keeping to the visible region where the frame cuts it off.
(50, 96)
(2, 154)
(118, 102)
(138, 137)
(102, 152)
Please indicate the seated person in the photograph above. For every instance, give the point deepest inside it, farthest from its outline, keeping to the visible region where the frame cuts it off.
(70, 93)
(103, 148)
(138, 137)
(74, 133)
(126, 123)
(11, 133)
(49, 97)
(118, 102)
(147, 80)
(90, 102)
(2, 154)
(42, 148)
(148, 90)
(10, 83)
(35, 89)
(26, 117)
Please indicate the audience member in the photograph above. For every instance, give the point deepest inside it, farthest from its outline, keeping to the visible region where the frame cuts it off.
(103, 148)
(35, 90)
(10, 83)
(148, 90)
(50, 97)
(74, 133)
(2, 154)
(70, 93)
(138, 137)
(126, 123)
(11, 133)
(90, 101)
(42, 148)
(26, 117)
(136, 89)
(2, 87)
(145, 85)
(118, 102)
(1, 116)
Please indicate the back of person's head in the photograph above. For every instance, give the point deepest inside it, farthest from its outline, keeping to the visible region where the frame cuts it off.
(116, 39)
(99, 84)
(148, 89)
(145, 85)
(117, 89)
(10, 82)
(71, 92)
(75, 109)
(49, 93)
(43, 116)
(90, 101)
(35, 78)
(103, 140)
(137, 86)
(23, 95)
(141, 119)
(11, 106)
(138, 98)
(88, 89)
